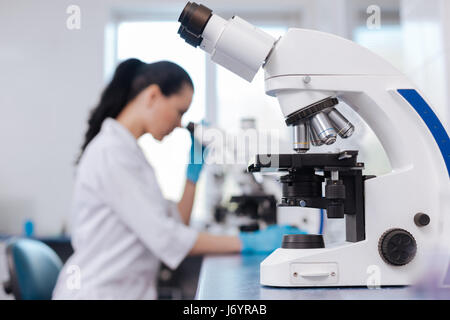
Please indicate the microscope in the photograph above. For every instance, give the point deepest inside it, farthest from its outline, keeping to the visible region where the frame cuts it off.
(391, 220)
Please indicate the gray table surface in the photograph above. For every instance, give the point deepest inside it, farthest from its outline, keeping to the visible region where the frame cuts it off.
(236, 277)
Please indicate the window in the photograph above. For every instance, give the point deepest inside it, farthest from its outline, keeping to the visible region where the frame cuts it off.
(387, 42)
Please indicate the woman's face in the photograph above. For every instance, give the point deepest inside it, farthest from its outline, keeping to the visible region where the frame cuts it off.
(165, 113)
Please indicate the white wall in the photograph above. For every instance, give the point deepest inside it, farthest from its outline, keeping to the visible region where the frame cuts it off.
(49, 78)
(426, 34)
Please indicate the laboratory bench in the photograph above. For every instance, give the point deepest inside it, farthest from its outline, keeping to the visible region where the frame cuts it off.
(236, 277)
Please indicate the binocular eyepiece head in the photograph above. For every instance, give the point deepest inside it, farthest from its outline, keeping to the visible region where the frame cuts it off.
(193, 19)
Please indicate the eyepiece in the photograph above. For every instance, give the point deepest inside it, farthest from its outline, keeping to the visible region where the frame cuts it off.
(193, 19)
(234, 44)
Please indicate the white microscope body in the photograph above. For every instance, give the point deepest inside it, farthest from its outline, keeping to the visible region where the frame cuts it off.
(304, 67)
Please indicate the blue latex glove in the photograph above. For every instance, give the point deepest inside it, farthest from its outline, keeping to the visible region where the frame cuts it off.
(196, 161)
(267, 240)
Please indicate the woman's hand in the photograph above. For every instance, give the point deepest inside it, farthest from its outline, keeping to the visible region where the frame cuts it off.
(194, 168)
(196, 160)
(267, 240)
(262, 241)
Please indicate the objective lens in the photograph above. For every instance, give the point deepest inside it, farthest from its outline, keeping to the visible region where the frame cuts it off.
(301, 138)
(315, 141)
(321, 125)
(340, 123)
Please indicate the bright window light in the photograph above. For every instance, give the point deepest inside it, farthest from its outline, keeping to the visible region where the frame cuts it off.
(387, 42)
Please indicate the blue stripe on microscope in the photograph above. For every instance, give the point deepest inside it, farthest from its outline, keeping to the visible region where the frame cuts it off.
(431, 120)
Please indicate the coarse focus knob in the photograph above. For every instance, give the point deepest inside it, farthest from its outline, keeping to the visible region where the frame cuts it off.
(397, 247)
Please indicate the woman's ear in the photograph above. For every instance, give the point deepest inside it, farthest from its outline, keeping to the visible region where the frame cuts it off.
(152, 93)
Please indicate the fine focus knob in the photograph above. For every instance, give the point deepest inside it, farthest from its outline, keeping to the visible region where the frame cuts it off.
(421, 219)
(397, 247)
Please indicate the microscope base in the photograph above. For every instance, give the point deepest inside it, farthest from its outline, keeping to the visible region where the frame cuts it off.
(350, 264)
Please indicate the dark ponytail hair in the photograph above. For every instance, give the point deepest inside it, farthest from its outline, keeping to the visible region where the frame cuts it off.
(130, 78)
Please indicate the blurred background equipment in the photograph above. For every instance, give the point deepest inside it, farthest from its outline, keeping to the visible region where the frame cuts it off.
(241, 200)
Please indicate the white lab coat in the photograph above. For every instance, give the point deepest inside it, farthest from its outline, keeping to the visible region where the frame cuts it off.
(122, 225)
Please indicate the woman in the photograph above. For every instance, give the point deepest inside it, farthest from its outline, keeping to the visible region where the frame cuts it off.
(122, 225)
